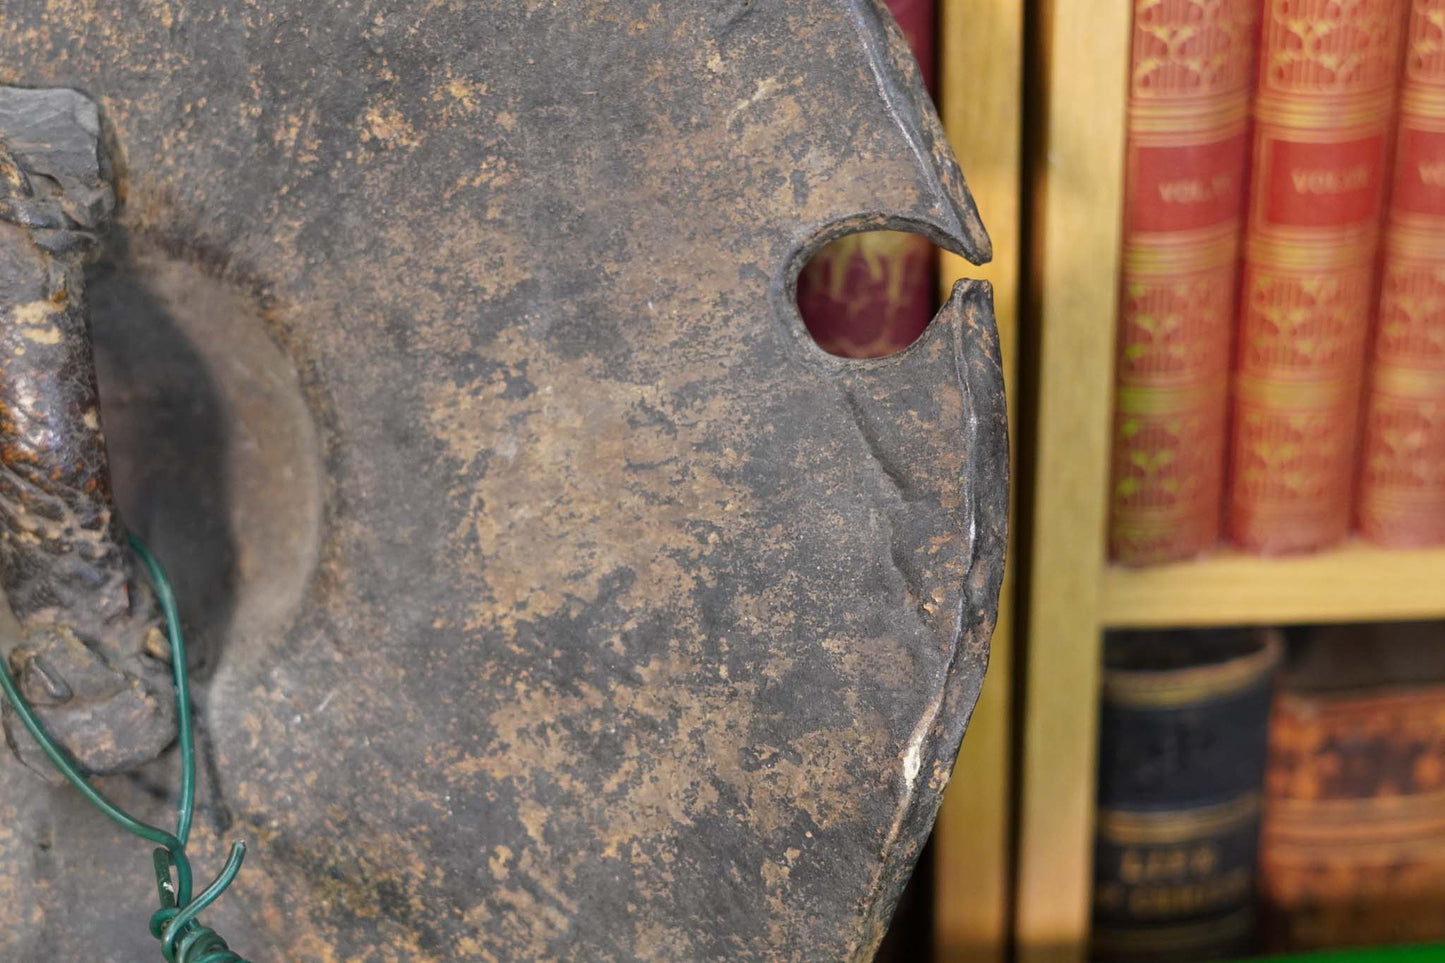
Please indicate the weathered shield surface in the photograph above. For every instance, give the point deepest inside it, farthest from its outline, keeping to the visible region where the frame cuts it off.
(559, 598)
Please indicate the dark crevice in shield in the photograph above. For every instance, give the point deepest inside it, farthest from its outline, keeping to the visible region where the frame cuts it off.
(213, 454)
(869, 294)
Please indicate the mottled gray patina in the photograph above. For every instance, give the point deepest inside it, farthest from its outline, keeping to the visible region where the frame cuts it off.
(558, 597)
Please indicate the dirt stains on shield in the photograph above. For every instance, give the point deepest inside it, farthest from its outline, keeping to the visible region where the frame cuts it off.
(639, 627)
(596, 475)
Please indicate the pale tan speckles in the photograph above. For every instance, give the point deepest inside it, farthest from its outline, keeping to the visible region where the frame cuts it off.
(533, 817)
(466, 91)
(497, 862)
(48, 334)
(493, 171)
(594, 520)
(35, 312)
(525, 740)
(163, 11)
(385, 123)
(658, 940)
(765, 88)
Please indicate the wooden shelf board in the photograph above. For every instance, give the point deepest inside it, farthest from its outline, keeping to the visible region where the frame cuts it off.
(1359, 582)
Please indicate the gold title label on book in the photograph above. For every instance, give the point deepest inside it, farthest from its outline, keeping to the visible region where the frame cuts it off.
(1164, 865)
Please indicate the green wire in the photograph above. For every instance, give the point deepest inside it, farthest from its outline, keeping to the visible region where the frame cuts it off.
(167, 598)
(1405, 954)
(183, 939)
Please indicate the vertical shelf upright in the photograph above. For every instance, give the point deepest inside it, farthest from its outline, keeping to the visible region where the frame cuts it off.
(1079, 61)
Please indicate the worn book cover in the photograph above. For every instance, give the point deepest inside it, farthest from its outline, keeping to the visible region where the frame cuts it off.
(1323, 118)
(1181, 768)
(1402, 475)
(1190, 83)
(1353, 843)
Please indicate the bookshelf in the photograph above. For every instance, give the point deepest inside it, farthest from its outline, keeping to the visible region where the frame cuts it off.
(1077, 56)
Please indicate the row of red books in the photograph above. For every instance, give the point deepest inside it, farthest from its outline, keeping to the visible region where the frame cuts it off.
(1281, 365)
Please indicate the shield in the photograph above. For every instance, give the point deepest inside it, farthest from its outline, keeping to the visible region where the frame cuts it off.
(557, 597)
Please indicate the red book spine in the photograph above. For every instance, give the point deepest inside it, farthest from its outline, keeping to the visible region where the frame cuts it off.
(917, 18)
(1327, 78)
(1184, 186)
(871, 294)
(1402, 481)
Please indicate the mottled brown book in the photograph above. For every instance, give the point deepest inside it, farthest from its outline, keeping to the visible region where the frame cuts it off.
(1190, 82)
(1402, 477)
(1328, 72)
(1353, 845)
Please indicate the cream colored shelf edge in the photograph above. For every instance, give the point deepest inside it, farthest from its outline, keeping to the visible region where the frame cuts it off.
(1359, 582)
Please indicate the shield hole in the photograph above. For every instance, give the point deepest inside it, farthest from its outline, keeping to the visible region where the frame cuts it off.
(869, 294)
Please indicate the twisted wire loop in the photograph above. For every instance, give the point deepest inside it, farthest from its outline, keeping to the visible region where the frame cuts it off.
(184, 939)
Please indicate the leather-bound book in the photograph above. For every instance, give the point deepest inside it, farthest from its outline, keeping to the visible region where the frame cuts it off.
(1181, 767)
(1323, 114)
(1189, 91)
(872, 293)
(1353, 846)
(1402, 478)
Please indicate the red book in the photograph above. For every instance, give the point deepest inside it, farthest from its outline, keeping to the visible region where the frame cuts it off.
(871, 294)
(1190, 80)
(1327, 77)
(917, 18)
(1402, 481)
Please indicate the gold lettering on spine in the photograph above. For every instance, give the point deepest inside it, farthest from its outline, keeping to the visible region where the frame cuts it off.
(1195, 191)
(1331, 181)
(1432, 173)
